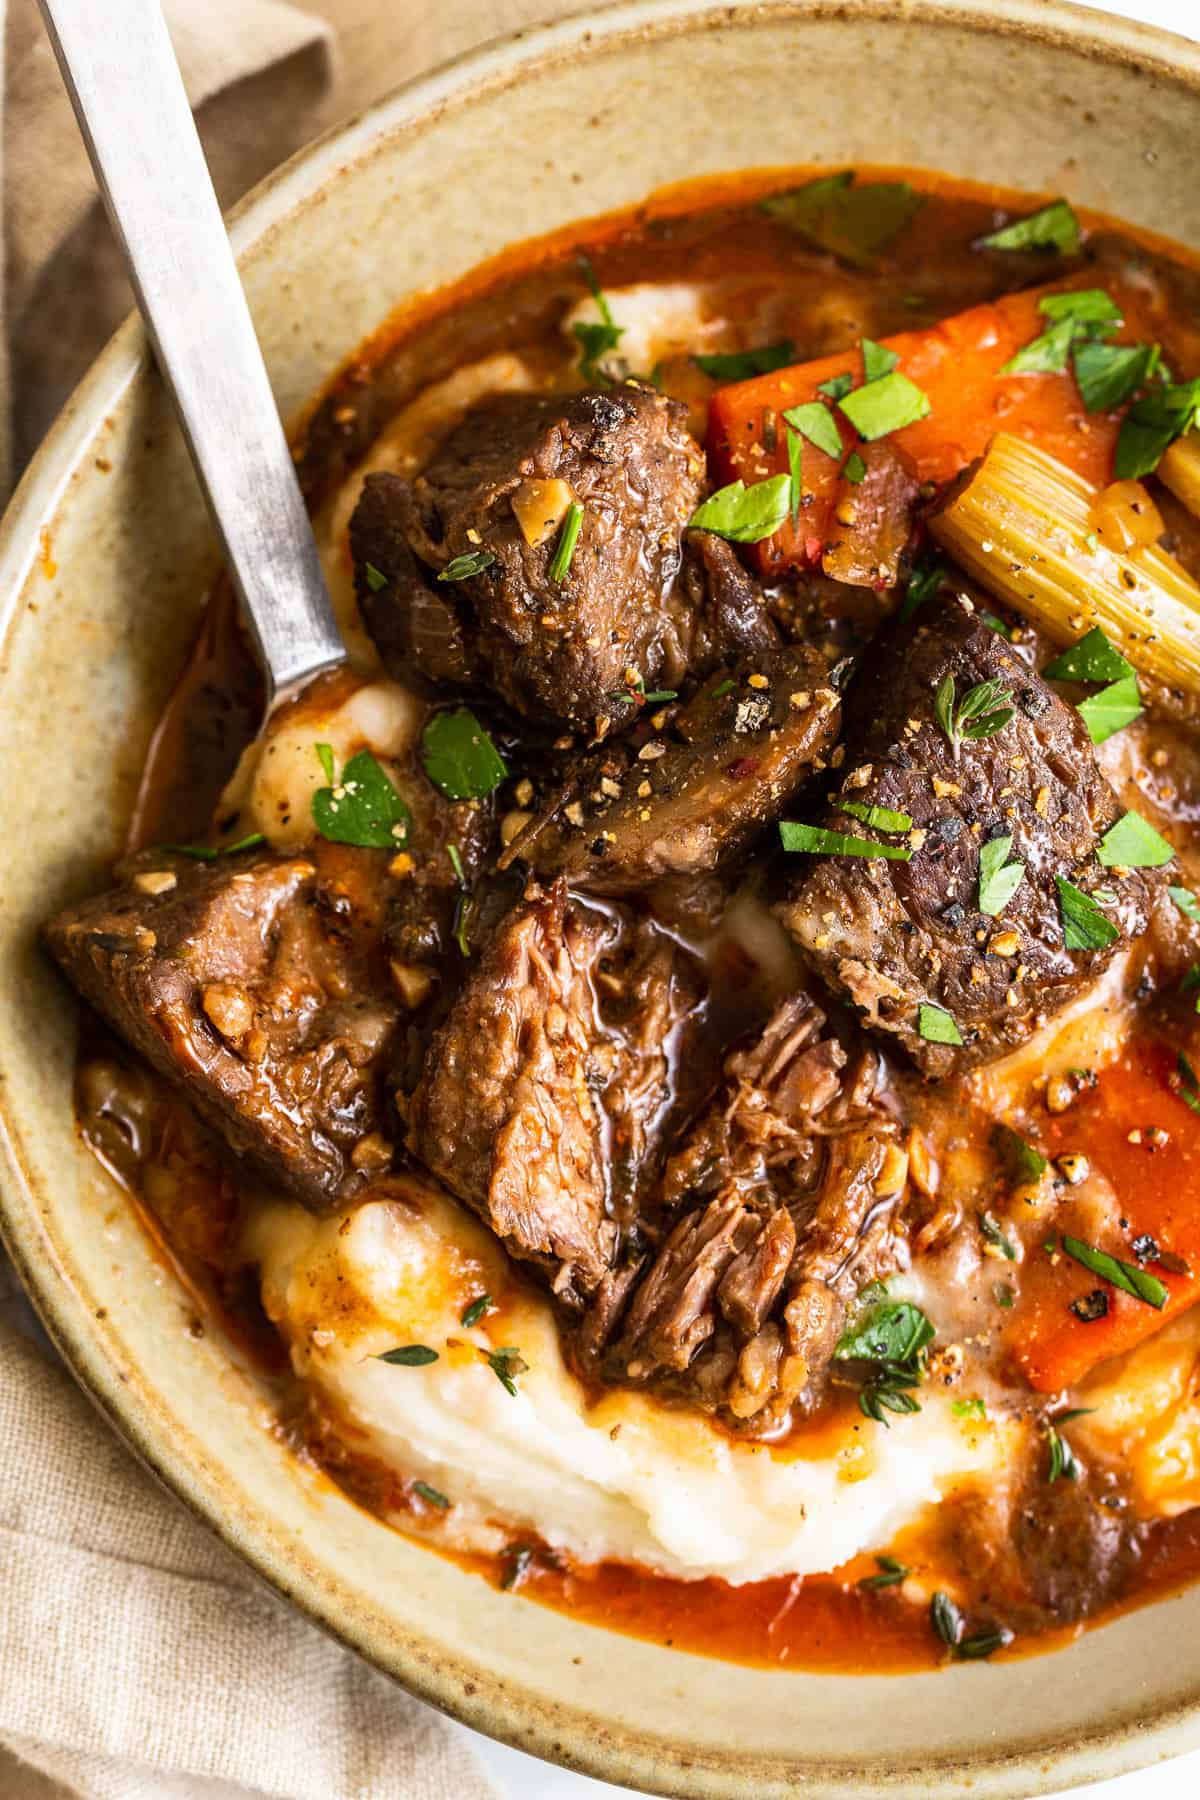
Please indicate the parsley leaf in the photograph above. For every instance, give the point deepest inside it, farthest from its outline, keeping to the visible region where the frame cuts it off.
(877, 360)
(855, 470)
(1152, 424)
(742, 365)
(1109, 374)
(595, 339)
(409, 1356)
(1044, 355)
(817, 424)
(973, 1408)
(432, 1495)
(363, 808)
(836, 387)
(880, 818)
(998, 878)
(853, 222)
(568, 537)
(744, 515)
(472, 562)
(936, 1025)
(1112, 709)
(1022, 1162)
(1052, 227)
(1126, 1276)
(819, 842)
(375, 578)
(992, 1234)
(996, 625)
(924, 584)
(1093, 658)
(885, 405)
(1091, 307)
(1084, 925)
(795, 455)
(459, 756)
(325, 758)
(1132, 844)
(1062, 1464)
(1187, 903)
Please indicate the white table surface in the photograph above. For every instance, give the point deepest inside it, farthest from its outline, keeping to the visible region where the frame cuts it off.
(521, 1777)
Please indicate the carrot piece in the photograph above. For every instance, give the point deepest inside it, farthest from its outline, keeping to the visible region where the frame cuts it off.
(956, 365)
(1157, 1187)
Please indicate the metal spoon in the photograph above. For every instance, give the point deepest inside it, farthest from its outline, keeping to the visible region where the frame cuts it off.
(129, 99)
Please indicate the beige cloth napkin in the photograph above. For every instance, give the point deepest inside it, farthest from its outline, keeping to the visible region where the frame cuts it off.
(139, 1660)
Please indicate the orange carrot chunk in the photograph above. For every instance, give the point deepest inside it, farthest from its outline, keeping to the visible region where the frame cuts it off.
(956, 365)
(1141, 1136)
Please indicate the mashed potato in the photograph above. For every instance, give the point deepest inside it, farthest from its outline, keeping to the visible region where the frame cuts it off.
(623, 1477)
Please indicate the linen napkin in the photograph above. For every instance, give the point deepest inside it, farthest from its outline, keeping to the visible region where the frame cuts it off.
(139, 1660)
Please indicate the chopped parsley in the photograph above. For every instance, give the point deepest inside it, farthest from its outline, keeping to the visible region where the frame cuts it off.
(1110, 374)
(891, 1336)
(744, 515)
(1132, 844)
(1052, 227)
(1187, 903)
(471, 562)
(879, 818)
(376, 580)
(855, 470)
(885, 405)
(459, 756)
(877, 359)
(363, 808)
(1152, 424)
(973, 1408)
(1189, 1088)
(923, 584)
(891, 1574)
(816, 423)
(936, 1025)
(795, 456)
(996, 625)
(568, 537)
(1019, 1157)
(1061, 1464)
(432, 1495)
(1112, 709)
(743, 365)
(325, 758)
(853, 221)
(999, 879)
(979, 714)
(1126, 1276)
(596, 339)
(992, 1234)
(1084, 926)
(409, 1356)
(1093, 658)
(837, 387)
(1044, 355)
(818, 842)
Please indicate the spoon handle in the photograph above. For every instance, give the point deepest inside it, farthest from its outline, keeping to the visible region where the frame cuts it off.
(128, 95)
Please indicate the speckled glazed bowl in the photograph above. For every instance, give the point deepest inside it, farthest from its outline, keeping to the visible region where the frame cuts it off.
(103, 558)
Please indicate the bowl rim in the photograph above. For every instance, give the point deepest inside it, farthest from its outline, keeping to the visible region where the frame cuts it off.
(559, 1733)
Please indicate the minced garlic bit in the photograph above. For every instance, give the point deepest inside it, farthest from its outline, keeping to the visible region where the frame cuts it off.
(155, 881)
(1074, 1166)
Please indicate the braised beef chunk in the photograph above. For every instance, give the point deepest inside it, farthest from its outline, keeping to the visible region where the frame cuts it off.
(781, 1203)
(683, 791)
(246, 981)
(898, 935)
(552, 645)
(533, 1084)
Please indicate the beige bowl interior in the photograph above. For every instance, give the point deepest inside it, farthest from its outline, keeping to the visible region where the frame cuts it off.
(104, 555)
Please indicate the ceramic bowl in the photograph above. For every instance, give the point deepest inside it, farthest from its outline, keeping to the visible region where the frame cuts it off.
(104, 555)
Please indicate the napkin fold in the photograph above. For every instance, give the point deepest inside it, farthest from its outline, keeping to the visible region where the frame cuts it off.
(139, 1659)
